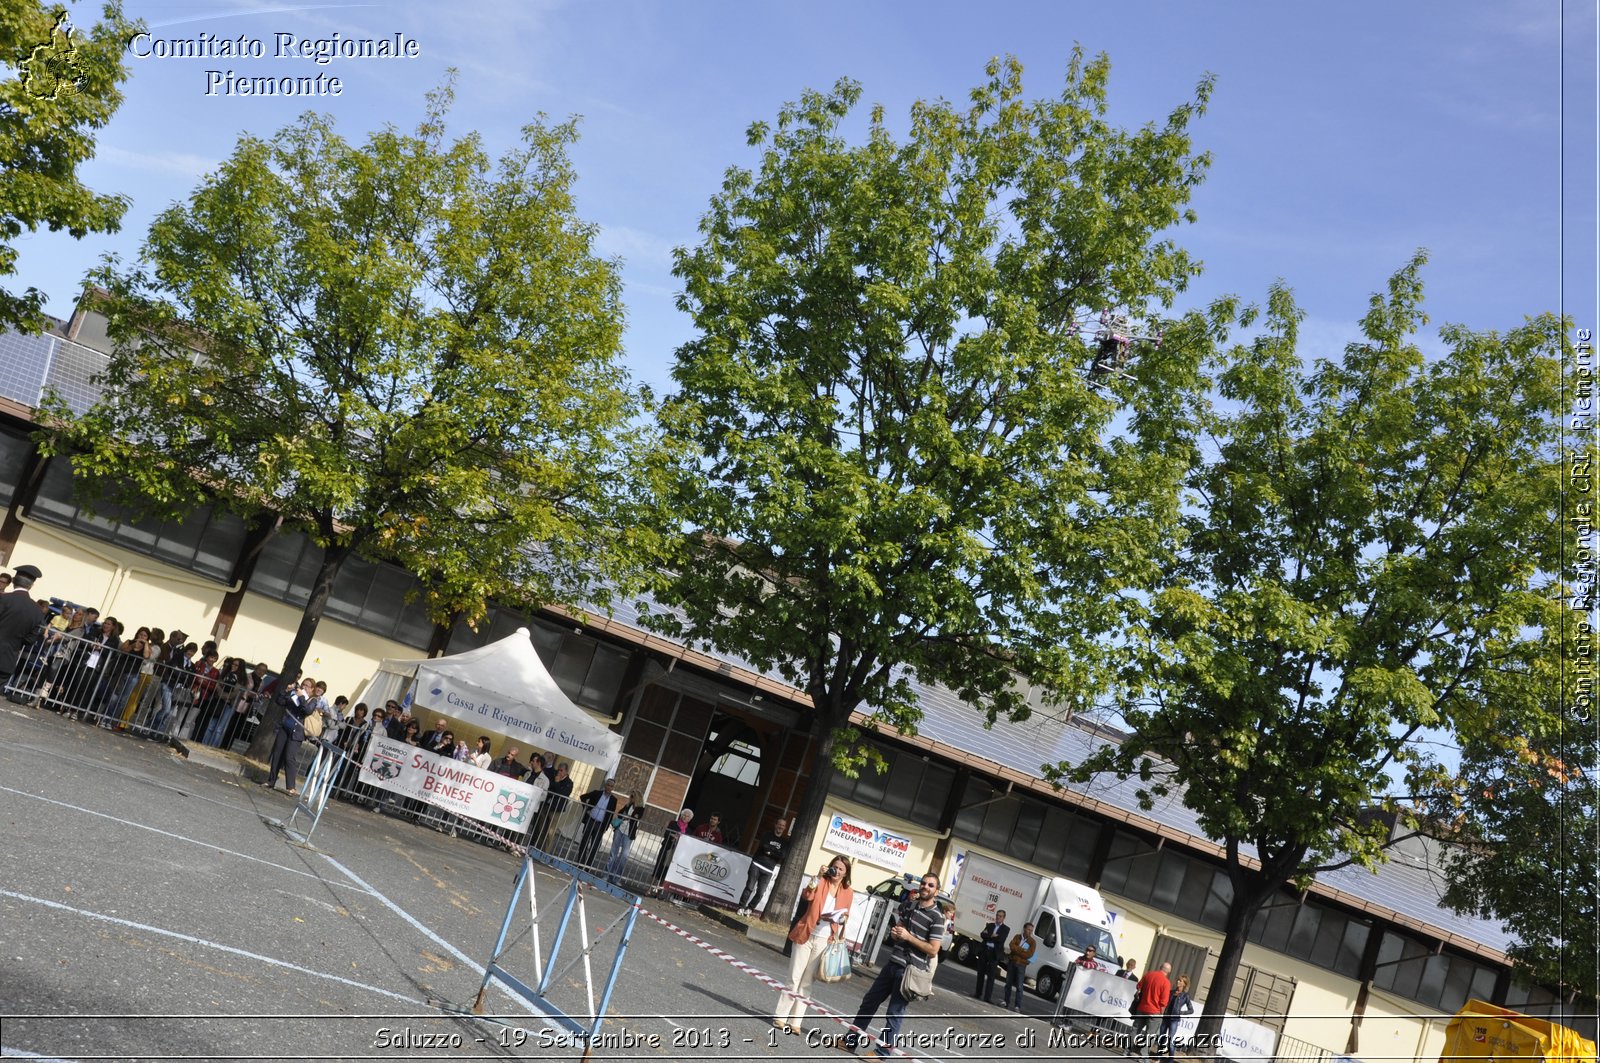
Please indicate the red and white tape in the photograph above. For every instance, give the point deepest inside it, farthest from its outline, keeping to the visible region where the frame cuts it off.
(761, 976)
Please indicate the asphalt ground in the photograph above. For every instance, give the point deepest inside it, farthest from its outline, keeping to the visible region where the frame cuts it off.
(155, 908)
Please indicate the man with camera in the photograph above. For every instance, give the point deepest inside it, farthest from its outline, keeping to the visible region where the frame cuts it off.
(913, 940)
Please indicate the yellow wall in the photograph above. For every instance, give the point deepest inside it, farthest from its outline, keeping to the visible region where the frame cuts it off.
(1323, 1001)
(142, 591)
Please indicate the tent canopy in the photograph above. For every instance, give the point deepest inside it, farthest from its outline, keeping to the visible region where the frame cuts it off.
(505, 688)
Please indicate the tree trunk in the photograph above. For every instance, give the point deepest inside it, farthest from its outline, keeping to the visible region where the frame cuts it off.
(1251, 890)
(333, 559)
(804, 828)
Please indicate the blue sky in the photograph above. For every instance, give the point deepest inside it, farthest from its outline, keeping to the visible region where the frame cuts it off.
(1344, 136)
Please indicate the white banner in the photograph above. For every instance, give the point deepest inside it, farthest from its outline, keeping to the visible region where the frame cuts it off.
(1244, 1040)
(1099, 993)
(581, 739)
(864, 842)
(454, 785)
(708, 869)
(1111, 996)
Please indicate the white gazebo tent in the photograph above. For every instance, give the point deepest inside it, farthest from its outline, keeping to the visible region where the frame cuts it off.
(503, 688)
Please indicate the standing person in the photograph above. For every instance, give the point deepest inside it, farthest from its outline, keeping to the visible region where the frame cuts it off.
(291, 732)
(230, 685)
(624, 828)
(1150, 1002)
(434, 740)
(990, 942)
(824, 909)
(669, 843)
(172, 673)
(913, 939)
(1180, 1005)
(1018, 956)
(509, 766)
(1088, 961)
(1128, 969)
(598, 808)
(119, 701)
(21, 621)
(207, 705)
(764, 864)
(712, 831)
(554, 804)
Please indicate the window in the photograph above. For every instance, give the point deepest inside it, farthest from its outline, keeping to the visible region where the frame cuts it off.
(909, 787)
(1046, 930)
(370, 595)
(742, 763)
(14, 454)
(1130, 866)
(207, 542)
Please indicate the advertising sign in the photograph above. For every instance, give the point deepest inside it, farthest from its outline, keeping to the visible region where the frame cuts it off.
(1110, 996)
(1244, 1040)
(708, 870)
(581, 739)
(864, 842)
(453, 785)
(1101, 993)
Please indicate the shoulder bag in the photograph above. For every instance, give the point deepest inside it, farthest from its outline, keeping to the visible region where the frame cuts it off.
(917, 982)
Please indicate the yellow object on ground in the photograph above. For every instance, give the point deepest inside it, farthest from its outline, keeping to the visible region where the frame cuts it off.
(1484, 1031)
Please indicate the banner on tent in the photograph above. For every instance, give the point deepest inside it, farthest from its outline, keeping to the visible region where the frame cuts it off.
(454, 785)
(580, 739)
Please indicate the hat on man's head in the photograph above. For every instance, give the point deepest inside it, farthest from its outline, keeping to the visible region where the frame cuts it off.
(28, 572)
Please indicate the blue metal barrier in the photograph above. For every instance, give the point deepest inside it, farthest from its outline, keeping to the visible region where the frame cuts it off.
(579, 884)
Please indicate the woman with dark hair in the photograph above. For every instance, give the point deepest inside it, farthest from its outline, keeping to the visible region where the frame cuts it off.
(824, 908)
(230, 684)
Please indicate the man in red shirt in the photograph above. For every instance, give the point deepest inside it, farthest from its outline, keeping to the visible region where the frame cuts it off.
(1150, 1000)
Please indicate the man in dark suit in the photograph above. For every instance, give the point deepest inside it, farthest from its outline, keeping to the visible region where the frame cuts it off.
(598, 808)
(990, 943)
(21, 620)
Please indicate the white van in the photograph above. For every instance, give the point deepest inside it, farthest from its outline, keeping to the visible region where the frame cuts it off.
(1067, 917)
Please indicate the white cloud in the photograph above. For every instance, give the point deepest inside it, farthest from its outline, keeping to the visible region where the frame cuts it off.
(179, 163)
(635, 247)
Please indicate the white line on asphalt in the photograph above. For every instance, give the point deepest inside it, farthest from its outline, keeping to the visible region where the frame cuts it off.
(169, 834)
(146, 927)
(416, 924)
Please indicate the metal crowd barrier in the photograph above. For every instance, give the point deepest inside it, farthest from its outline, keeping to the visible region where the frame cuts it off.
(86, 680)
(89, 680)
(555, 829)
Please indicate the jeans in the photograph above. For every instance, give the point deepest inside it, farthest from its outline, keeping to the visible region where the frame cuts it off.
(884, 987)
(619, 854)
(1015, 974)
(163, 718)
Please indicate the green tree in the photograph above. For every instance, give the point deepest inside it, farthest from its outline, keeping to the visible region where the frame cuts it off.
(400, 348)
(58, 86)
(896, 461)
(1368, 542)
(1524, 815)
